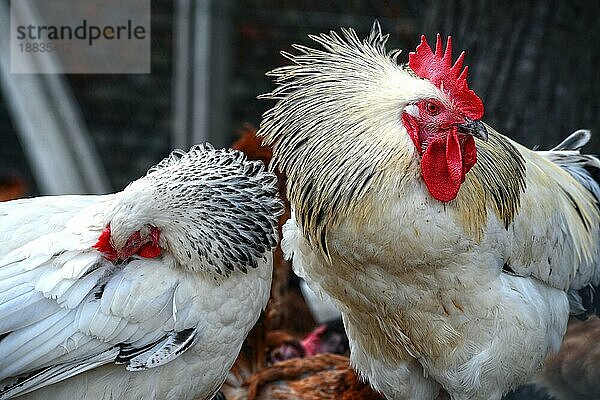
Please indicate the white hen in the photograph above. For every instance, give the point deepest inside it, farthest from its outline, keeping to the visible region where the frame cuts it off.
(143, 294)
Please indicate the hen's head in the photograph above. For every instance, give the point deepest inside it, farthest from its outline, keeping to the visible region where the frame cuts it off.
(142, 241)
(442, 127)
(207, 209)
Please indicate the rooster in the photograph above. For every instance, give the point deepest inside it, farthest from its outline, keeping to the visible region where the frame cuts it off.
(143, 294)
(454, 254)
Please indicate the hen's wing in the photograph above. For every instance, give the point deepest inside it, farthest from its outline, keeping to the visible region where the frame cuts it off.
(64, 309)
(24, 220)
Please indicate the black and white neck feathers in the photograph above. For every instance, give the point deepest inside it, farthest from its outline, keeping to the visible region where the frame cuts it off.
(216, 210)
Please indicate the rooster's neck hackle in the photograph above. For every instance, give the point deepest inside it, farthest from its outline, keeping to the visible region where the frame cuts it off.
(336, 130)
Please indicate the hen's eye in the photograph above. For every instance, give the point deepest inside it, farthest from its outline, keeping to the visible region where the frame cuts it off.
(432, 108)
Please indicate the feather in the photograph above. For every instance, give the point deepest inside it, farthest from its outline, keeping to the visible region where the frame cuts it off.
(81, 288)
(26, 315)
(574, 141)
(49, 375)
(164, 351)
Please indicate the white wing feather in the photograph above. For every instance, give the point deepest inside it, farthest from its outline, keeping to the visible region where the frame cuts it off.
(64, 309)
(27, 219)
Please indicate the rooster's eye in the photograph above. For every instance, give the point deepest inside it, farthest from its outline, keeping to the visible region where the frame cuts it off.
(432, 108)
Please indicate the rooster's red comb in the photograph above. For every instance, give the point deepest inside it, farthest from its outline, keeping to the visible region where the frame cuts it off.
(438, 69)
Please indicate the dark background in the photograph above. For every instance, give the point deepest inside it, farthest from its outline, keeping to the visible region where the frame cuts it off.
(534, 64)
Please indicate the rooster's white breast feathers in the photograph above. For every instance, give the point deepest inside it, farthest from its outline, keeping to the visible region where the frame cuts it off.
(450, 257)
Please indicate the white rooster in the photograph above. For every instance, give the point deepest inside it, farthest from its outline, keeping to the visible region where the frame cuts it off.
(448, 248)
(143, 294)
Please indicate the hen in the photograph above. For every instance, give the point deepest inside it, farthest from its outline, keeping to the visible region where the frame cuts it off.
(143, 294)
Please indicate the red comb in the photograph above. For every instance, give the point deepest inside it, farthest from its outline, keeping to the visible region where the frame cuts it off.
(103, 245)
(438, 69)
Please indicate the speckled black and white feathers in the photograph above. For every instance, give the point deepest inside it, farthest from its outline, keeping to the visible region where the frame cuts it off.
(217, 211)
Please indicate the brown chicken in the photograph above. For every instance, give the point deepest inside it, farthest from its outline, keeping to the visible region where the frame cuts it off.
(12, 187)
(574, 372)
(320, 377)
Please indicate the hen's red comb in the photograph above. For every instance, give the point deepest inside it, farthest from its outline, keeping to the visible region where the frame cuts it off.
(438, 69)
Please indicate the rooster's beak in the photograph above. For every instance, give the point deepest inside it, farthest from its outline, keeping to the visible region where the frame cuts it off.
(474, 128)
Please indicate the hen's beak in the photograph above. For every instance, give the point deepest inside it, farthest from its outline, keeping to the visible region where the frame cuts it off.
(474, 128)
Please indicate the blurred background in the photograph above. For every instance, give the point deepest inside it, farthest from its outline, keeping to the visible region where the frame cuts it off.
(535, 64)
